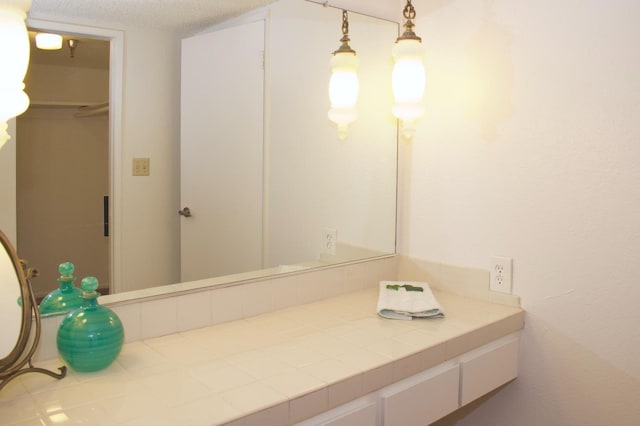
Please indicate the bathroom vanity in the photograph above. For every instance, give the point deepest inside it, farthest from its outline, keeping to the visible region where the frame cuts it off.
(329, 362)
(278, 346)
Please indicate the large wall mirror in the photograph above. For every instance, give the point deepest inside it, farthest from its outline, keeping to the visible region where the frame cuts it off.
(277, 199)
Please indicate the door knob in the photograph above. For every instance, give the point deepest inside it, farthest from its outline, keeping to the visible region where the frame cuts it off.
(186, 212)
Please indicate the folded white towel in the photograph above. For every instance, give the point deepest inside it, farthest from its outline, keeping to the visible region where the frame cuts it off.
(406, 300)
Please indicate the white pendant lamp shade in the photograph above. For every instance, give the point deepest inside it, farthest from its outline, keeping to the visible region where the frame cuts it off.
(48, 41)
(408, 81)
(408, 76)
(343, 91)
(14, 49)
(343, 85)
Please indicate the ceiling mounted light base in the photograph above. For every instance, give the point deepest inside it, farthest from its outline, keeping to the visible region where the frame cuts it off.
(48, 41)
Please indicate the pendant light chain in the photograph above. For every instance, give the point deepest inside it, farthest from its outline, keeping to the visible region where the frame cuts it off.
(409, 14)
(345, 24)
(409, 11)
(344, 47)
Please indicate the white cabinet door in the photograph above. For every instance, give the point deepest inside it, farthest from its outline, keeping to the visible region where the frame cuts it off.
(489, 367)
(423, 398)
(221, 149)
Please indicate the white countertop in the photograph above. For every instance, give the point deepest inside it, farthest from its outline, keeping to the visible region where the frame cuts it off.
(289, 364)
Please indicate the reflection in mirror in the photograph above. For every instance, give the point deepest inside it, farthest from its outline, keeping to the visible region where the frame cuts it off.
(293, 194)
(17, 305)
(311, 184)
(62, 162)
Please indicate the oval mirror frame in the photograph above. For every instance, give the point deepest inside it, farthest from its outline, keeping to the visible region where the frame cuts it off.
(13, 364)
(26, 306)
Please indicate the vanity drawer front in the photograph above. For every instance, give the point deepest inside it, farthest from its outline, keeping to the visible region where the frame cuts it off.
(487, 368)
(366, 416)
(363, 412)
(423, 398)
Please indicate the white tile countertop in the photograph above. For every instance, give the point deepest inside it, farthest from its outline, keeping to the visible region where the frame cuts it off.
(279, 367)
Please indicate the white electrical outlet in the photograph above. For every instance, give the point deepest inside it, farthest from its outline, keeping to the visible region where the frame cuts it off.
(329, 241)
(501, 275)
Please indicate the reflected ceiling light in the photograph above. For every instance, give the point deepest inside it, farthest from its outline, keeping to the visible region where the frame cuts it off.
(48, 41)
(343, 86)
(408, 79)
(14, 49)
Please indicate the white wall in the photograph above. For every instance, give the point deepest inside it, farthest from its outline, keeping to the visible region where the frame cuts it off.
(62, 176)
(529, 149)
(57, 83)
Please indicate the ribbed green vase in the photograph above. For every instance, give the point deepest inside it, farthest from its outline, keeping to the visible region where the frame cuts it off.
(90, 337)
(65, 298)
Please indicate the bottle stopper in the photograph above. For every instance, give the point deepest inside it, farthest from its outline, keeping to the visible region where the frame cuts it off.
(66, 270)
(89, 286)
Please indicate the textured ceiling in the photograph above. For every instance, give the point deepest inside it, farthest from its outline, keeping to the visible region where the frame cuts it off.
(173, 15)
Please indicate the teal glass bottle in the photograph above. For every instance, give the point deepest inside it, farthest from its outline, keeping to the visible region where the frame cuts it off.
(90, 337)
(65, 298)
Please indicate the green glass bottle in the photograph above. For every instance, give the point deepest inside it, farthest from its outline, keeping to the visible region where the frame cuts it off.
(90, 337)
(65, 298)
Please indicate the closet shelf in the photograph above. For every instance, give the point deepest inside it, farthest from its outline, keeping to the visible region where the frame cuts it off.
(85, 109)
(92, 110)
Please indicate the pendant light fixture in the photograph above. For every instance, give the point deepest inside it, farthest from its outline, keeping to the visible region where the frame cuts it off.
(14, 48)
(408, 77)
(343, 86)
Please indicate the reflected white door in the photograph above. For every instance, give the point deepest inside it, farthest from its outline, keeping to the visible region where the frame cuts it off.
(222, 110)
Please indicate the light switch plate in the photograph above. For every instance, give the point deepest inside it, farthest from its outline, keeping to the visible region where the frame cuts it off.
(141, 166)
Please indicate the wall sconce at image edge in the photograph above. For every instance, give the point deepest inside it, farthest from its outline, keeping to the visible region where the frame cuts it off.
(14, 48)
(408, 76)
(344, 86)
